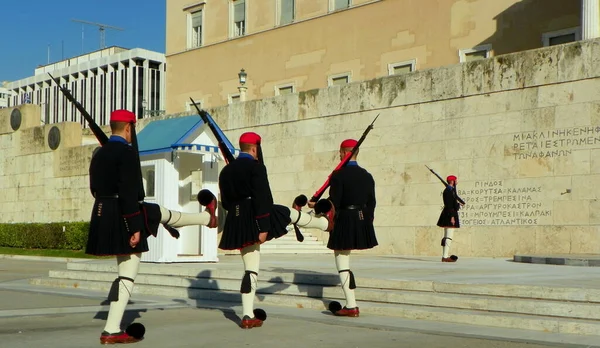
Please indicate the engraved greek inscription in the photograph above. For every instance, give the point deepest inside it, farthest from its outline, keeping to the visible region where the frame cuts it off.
(502, 203)
(71, 162)
(554, 143)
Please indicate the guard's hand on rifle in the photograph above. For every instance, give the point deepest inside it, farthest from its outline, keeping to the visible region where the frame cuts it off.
(311, 204)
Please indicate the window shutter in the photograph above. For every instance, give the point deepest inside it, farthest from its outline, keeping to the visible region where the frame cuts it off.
(197, 19)
(339, 4)
(402, 69)
(239, 11)
(287, 11)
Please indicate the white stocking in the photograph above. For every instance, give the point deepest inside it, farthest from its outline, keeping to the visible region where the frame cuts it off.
(448, 233)
(175, 218)
(308, 221)
(128, 267)
(251, 259)
(342, 262)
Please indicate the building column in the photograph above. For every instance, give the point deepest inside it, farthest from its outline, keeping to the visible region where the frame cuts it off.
(590, 19)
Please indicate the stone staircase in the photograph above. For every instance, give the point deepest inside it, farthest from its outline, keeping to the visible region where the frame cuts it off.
(289, 245)
(531, 307)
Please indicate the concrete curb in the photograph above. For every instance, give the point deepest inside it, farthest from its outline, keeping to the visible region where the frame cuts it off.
(41, 258)
(414, 325)
(591, 260)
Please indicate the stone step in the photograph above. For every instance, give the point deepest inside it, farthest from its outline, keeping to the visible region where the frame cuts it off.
(332, 279)
(292, 236)
(295, 245)
(453, 315)
(288, 244)
(276, 286)
(289, 251)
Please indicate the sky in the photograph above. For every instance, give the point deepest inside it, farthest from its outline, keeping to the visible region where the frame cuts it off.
(30, 26)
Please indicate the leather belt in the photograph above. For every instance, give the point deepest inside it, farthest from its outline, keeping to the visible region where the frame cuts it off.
(115, 196)
(353, 207)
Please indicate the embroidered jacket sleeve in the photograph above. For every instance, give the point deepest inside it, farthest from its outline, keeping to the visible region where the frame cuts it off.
(223, 178)
(450, 199)
(262, 199)
(128, 186)
(336, 190)
(371, 201)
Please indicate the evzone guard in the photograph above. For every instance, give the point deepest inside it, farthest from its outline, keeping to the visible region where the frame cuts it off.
(352, 203)
(252, 218)
(121, 222)
(449, 219)
(449, 216)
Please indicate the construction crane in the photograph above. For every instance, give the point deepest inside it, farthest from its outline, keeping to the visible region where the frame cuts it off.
(101, 27)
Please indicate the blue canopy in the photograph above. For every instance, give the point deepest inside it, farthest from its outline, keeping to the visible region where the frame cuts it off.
(164, 135)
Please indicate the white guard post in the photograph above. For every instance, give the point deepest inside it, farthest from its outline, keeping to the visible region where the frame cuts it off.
(179, 157)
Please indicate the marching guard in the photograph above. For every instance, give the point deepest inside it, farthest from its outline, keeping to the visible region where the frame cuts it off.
(449, 217)
(121, 222)
(253, 218)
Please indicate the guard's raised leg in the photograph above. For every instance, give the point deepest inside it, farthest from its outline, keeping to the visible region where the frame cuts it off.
(207, 218)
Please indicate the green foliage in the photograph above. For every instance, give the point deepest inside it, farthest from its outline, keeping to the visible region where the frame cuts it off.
(45, 235)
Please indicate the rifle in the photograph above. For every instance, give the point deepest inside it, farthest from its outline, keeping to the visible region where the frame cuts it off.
(344, 162)
(102, 138)
(222, 146)
(446, 185)
(227, 153)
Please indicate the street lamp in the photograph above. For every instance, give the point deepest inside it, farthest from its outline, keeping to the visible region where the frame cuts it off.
(242, 76)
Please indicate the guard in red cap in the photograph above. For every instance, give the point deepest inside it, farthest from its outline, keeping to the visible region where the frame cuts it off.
(449, 218)
(253, 218)
(352, 193)
(116, 221)
(121, 222)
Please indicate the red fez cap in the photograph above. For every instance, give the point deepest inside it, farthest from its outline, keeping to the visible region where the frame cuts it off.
(250, 138)
(122, 116)
(348, 143)
(451, 178)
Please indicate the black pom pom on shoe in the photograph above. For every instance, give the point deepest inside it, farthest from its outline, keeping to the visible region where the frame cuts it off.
(301, 200)
(323, 206)
(136, 330)
(334, 306)
(260, 314)
(205, 197)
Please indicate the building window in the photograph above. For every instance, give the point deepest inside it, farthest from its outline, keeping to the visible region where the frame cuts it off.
(336, 5)
(402, 67)
(561, 36)
(475, 53)
(284, 89)
(190, 107)
(239, 18)
(339, 80)
(196, 29)
(234, 98)
(287, 12)
(149, 177)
